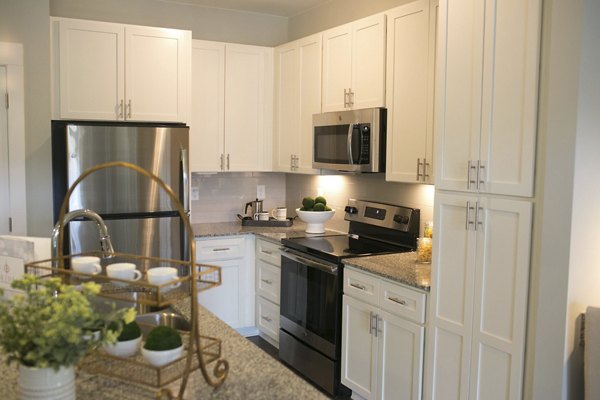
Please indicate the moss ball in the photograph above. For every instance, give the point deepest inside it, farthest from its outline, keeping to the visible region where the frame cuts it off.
(163, 338)
(321, 199)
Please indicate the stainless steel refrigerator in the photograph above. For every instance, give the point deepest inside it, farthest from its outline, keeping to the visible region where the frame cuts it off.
(140, 216)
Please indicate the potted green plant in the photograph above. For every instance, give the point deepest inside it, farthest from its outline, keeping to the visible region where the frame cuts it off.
(46, 330)
(163, 345)
(127, 343)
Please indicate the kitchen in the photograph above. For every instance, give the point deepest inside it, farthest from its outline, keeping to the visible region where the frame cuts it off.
(551, 327)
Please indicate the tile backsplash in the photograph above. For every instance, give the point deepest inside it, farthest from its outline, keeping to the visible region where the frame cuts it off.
(223, 195)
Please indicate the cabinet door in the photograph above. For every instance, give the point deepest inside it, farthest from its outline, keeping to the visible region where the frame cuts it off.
(309, 52)
(208, 106)
(248, 107)
(92, 70)
(409, 83)
(224, 300)
(157, 71)
(509, 101)
(286, 105)
(337, 67)
(401, 358)
(458, 107)
(451, 298)
(368, 62)
(359, 348)
(500, 299)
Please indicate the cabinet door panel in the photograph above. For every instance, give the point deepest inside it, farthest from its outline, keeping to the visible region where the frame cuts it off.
(208, 106)
(459, 99)
(224, 300)
(92, 69)
(337, 67)
(447, 375)
(401, 363)
(359, 348)
(156, 70)
(368, 62)
(509, 101)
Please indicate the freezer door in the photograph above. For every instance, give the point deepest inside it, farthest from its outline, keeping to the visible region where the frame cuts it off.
(159, 150)
(153, 237)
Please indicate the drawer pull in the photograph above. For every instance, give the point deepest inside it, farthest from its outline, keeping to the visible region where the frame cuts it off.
(221, 249)
(359, 287)
(396, 300)
(267, 281)
(267, 252)
(267, 319)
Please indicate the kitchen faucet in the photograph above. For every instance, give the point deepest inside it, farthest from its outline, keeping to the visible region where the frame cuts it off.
(105, 242)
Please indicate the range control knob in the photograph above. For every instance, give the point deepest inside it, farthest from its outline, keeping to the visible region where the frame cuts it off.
(351, 210)
(401, 219)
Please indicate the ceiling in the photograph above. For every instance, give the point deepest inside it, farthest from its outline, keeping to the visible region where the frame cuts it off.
(283, 8)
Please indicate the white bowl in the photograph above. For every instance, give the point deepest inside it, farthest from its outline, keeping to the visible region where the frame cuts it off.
(315, 220)
(126, 348)
(163, 357)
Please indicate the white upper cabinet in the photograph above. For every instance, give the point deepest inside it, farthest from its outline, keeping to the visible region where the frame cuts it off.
(297, 98)
(232, 107)
(487, 95)
(354, 65)
(411, 39)
(110, 71)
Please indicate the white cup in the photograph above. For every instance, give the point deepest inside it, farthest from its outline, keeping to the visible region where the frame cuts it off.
(161, 275)
(86, 265)
(261, 216)
(279, 213)
(125, 271)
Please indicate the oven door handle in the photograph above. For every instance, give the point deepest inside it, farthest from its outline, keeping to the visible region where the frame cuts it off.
(330, 268)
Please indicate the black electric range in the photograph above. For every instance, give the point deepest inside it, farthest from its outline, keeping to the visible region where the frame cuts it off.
(312, 281)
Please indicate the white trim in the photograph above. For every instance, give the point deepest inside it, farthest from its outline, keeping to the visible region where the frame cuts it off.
(11, 55)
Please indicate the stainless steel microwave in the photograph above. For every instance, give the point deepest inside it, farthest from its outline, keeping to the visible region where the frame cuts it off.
(351, 141)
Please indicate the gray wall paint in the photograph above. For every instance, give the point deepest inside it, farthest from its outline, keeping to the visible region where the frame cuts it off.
(205, 23)
(334, 13)
(26, 22)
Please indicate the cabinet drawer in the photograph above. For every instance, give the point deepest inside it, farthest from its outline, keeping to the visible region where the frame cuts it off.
(220, 249)
(267, 318)
(362, 286)
(268, 279)
(403, 301)
(268, 252)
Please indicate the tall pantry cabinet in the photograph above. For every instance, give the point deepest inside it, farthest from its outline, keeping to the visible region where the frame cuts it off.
(486, 97)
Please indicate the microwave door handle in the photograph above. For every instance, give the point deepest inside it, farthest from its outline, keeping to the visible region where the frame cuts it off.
(350, 130)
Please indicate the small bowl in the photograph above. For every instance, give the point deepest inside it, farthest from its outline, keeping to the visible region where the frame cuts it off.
(315, 220)
(163, 357)
(125, 348)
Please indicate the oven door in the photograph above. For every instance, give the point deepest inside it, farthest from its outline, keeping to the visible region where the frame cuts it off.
(310, 301)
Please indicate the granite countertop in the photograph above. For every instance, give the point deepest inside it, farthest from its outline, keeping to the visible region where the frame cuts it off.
(252, 374)
(401, 267)
(276, 233)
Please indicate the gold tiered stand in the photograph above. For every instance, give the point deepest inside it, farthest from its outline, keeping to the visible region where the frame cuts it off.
(201, 350)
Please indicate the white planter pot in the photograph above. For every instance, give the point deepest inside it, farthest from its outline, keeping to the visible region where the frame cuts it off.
(126, 348)
(46, 383)
(160, 358)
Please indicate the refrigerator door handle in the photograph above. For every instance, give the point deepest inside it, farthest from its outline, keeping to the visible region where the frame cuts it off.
(185, 179)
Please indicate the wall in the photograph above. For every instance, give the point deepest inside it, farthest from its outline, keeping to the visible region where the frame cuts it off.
(584, 271)
(204, 22)
(336, 12)
(26, 22)
(337, 189)
(557, 122)
(223, 195)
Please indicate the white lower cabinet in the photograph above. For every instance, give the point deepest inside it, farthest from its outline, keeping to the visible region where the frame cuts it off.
(268, 282)
(382, 337)
(233, 300)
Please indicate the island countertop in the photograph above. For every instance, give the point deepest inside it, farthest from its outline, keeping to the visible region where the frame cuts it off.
(252, 374)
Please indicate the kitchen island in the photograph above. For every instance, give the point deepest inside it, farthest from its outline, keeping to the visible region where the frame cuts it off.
(252, 374)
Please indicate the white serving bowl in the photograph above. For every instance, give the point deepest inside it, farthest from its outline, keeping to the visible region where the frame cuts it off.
(315, 220)
(160, 358)
(126, 348)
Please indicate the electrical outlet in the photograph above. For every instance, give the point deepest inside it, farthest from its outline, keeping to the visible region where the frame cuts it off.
(260, 192)
(195, 193)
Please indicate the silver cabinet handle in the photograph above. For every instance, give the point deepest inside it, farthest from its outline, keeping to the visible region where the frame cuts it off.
(468, 216)
(425, 165)
(480, 167)
(470, 181)
(377, 327)
(419, 163)
(267, 318)
(371, 325)
(267, 281)
(121, 109)
(219, 249)
(359, 287)
(351, 99)
(397, 300)
(129, 109)
(228, 162)
(222, 160)
(346, 98)
(266, 252)
(477, 220)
